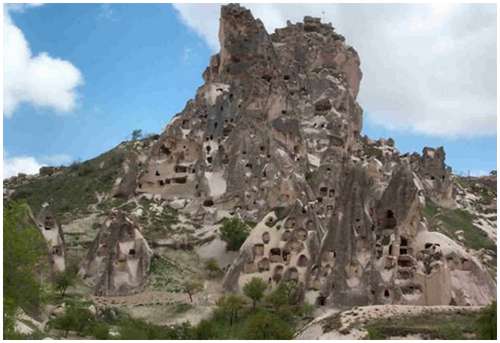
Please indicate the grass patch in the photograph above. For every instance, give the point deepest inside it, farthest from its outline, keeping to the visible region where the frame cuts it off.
(453, 220)
(71, 191)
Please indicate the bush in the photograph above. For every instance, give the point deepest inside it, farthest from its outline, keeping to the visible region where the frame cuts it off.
(212, 268)
(234, 232)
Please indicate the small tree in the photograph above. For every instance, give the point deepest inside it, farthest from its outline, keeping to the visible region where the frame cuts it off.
(63, 280)
(290, 289)
(75, 318)
(230, 306)
(255, 289)
(212, 268)
(191, 287)
(136, 135)
(493, 172)
(234, 232)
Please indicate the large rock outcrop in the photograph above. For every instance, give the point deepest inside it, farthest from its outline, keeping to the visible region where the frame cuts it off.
(273, 135)
(118, 260)
(54, 236)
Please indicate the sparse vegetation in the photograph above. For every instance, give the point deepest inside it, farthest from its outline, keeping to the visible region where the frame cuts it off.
(191, 287)
(157, 224)
(212, 268)
(449, 221)
(234, 232)
(458, 325)
(65, 279)
(81, 322)
(73, 189)
(136, 135)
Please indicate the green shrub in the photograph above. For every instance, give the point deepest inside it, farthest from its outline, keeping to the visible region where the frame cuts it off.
(234, 232)
(375, 334)
(212, 268)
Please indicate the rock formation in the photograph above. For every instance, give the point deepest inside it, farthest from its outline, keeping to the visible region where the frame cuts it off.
(118, 260)
(274, 136)
(53, 234)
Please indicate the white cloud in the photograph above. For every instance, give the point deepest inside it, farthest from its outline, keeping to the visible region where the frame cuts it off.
(13, 165)
(427, 69)
(21, 7)
(40, 80)
(21, 164)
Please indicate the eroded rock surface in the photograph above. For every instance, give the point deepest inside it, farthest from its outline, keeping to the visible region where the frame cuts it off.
(53, 234)
(119, 258)
(273, 135)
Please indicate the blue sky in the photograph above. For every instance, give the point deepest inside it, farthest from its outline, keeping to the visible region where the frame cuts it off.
(139, 65)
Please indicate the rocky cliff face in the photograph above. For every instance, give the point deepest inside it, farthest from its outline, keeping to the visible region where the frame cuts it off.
(274, 135)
